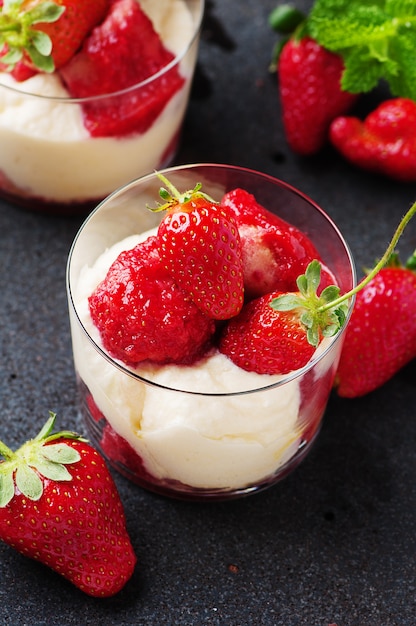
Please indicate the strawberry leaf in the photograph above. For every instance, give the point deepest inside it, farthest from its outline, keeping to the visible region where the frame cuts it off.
(287, 302)
(329, 293)
(52, 470)
(61, 453)
(6, 488)
(18, 35)
(308, 283)
(172, 196)
(42, 43)
(42, 62)
(49, 461)
(12, 57)
(315, 312)
(28, 482)
(285, 18)
(341, 313)
(44, 12)
(312, 335)
(411, 262)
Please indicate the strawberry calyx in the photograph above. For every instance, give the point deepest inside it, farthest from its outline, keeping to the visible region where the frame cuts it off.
(19, 37)
(35, 458)
(325, 315)
(395, 262)
(411, 262)
(318, 319)
(172, 197)
(289, 22)
(285, 18)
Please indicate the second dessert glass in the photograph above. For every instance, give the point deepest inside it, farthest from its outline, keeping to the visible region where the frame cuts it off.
(209, 431)
(50, 162)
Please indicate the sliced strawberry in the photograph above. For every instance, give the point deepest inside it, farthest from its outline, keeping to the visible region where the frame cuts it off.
(274, 252)
(120, 452)
(93, 409)
(120, 53)
(142, 314)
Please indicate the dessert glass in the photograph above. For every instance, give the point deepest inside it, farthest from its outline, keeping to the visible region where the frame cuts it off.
(50, 163)
(215, 439)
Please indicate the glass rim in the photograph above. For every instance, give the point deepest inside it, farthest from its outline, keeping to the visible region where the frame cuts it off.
(164, 70)
(286, 378)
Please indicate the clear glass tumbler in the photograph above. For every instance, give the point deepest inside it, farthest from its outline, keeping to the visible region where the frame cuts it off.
(206, 433)
(52, 161)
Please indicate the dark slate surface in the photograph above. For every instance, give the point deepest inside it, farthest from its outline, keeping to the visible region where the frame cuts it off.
(332, 543)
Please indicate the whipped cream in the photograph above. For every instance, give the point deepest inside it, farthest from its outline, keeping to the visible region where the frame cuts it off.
(46, 150)
(224, 441)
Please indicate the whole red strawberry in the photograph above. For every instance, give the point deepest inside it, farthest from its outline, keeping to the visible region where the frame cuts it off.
(381, 336)
(310, 93)
(385, 142)
(200, 248)
(274, 252)
(59, 505)
(122, 52)
(276, 334)
(265, 341)
(142, 314)
(50, 32)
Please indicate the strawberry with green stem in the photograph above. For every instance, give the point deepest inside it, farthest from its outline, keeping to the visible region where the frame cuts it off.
(43, 35)
(301, 319)
(199, 244)
(380, 338)
(59, 505)
(309, 82)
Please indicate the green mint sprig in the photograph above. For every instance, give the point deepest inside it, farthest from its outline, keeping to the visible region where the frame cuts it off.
(376, 39)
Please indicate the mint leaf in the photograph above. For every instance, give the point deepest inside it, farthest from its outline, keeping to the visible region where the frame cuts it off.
(363, 72)
(404, 82)
(377, 41)
(401, 8)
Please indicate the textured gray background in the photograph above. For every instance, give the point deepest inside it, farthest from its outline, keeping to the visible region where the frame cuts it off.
(333, 542)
